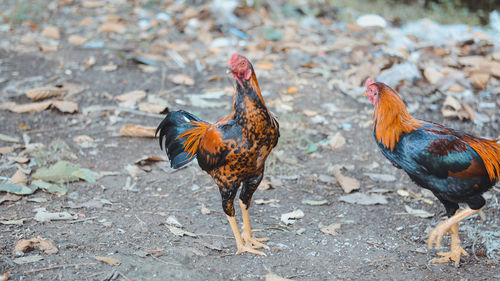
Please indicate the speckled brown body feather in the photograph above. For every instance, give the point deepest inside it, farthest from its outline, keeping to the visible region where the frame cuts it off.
(233, 150)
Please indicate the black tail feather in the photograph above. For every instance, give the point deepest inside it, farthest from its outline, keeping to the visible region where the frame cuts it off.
(174, 124)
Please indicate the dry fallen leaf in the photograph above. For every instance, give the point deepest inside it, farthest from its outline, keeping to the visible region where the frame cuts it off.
(45, 92)
(292, 90)
(18, 159)
(290, 218)
(432, 75)
(348, 184)
(51, 32)
(19, 178)
(107, 260)
(34, 107)
(264, 65)
(46, 245)
(112, 27)
(265, 185)
(330, 229)
(418, 213)
(137, 131)
(65, 106)
(77, 40)
(82, 139)
(204, 210)
(179, 231)
(274, 277)
(181, 79)
(364, 199)
(90, 62)
(453, 108)
(336, 141)
(6, 150)
(93, 4)
(152, 107)
(131, 98)
(148, 159)
(109, 67)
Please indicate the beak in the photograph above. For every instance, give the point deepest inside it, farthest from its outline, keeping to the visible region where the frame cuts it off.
(364, 94)
(229, 69)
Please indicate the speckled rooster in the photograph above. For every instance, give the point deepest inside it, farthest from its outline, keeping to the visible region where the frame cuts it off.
(455, 166)
(233, 150)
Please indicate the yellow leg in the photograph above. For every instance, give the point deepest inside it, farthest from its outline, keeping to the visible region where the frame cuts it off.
(239, 241)
(445, 226)
(455, 249)
(250, 241)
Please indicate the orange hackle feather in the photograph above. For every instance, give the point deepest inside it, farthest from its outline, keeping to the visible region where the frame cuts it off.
(391, 117)
(193, 136)
(489, 151)
(255, 85)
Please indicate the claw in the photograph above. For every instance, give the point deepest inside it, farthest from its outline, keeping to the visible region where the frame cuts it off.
(245, 248)
(453, 255)
(254, 242)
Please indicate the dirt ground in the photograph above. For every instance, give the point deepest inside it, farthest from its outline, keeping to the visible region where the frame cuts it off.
(373, 242)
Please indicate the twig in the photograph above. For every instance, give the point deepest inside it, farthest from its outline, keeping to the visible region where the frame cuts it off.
(84, 219)
(165, 262)
(214, 235)
(59, 266)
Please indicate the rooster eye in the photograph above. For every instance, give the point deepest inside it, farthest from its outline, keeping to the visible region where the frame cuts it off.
(242, 63)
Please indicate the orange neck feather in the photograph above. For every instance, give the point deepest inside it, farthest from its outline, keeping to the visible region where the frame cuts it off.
(255, 85)
(391, 118)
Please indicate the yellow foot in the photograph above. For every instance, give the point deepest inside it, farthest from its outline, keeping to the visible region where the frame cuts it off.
(453, 255)
(437, 234)
(254, 242)
(249, 249)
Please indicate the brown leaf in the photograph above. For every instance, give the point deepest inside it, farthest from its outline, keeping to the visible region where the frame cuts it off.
(152, 107)
(10, 198)
(310, 113)
(479, 79)
(71, 88)
(348, 184)
(45, 92)
(264, 65)
(82, 139)
(181, 79)
(481, 64)
(107, 260)
(265, 185)
(6, 150)
(330, 229)
(46, 245)
(137, 131)
(292, 90)
(51, 32)
(92, 4)
(112, 27)
(148, 159)
(65, 106)
(18, 159)
(90, 62)
(453, 109)
(77, 40)
(432, 75)
(19, 178)
(133, 96)
(336, 141)
(109, 67)
(30, 107)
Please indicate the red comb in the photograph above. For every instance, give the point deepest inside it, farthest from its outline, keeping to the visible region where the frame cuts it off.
(234, 59)
(369, 81)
